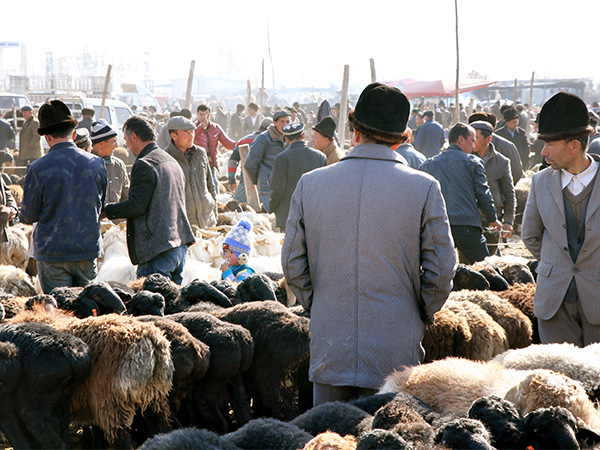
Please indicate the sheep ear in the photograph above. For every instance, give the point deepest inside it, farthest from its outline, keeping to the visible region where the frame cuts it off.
(587, 438)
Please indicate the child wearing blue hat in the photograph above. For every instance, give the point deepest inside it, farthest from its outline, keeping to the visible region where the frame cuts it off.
(236, 251)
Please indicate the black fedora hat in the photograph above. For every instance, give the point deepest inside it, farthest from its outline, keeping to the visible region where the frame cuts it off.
(326, 127)
(510, 114)
(563, 116)
(55, 116)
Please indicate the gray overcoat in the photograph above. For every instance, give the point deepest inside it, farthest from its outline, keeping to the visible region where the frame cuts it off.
(544, 233)
(368, 251)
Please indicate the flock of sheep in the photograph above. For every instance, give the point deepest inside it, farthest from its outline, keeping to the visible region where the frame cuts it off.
(148, 364)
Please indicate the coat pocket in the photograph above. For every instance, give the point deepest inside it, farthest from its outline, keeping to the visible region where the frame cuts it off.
(544, 269)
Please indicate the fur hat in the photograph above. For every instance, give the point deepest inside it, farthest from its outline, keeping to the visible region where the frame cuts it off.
(382, 112)
(238, 239)
(510, 114)
(564, 116)
(326, 127)
(101, 131)
(55, 116)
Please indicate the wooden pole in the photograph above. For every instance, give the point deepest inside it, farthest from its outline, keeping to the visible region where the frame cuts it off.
(531, 89)
(262, 92)
(188, 92)
(515, 92)
(248, 93)
(344, 106)
(457, 84)
(251, 191)
(373, 74)
(105, 92)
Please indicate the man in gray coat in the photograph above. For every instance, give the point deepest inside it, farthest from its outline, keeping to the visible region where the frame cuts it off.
(368, 252)
(200, 192)
(561, 226)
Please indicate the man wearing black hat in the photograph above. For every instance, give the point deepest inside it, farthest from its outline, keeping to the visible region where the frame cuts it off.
(497, 172)
(64, 192)
(561, 226)
(368, 252)
(515, 134)
(323, 139)
(30, 142)
(263, 151)
(466, 192)
(430, 136)
(296, 160)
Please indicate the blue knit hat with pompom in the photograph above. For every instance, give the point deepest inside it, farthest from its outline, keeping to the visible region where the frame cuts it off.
(238, 239)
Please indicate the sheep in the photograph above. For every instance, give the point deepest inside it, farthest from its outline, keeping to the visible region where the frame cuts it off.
(15, 281)
(231, 351)
(184, 439)
(577, 363)
(225, 287)
(467, 278)
(496, 280)
(514, 269)
(267, 434)
(194, 269)
(448, 335)
(131, 370)
(372, 403)
(464, 434)
(17, 192)
(11, 305)
(502, 420)
(339, 417)
(146, 303)
(169, 290)
(331, 441)
(44, 300)
(544, 388)
(451, 385)
(96, 298)
(39, 375)
(405, 415)
(382, 439)
(199, 290)
(115, 264)
(281, 345)
(15, 251)
(488, 338)
(256, 287)
(517, 326)
(521, 296)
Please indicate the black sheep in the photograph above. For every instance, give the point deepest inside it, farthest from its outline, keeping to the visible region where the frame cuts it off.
(280, 292)
(44, 300)
(372, 403)
(517, 273)
(467, 434)
(96, 299)
(502, 419)
(169, 290)
(382, 440)
(255, 288)
(339, 417)
(35, 399)
(10, 306)
(146, 303)
(267, 434)
(185, 439)
(281, 344)
(467, 278)
(124, 292)
(225, 287)
(495, 279)
(231, 352)
(201, 291)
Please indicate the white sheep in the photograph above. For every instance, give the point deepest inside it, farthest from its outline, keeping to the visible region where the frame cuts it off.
(15, 252)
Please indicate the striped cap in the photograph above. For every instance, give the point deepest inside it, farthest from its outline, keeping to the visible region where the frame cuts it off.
(101, 131)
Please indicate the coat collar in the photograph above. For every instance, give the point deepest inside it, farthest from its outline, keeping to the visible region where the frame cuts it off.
(374, 151)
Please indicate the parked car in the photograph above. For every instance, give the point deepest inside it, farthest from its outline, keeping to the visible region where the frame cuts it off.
(9, 103)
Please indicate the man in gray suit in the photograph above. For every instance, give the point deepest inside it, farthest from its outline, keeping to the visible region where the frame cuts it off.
(561, 226)
(368, 252)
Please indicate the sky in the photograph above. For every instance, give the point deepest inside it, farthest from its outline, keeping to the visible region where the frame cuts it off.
(310, 41)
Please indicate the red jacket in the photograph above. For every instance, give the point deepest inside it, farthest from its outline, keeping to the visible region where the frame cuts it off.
(217, 135)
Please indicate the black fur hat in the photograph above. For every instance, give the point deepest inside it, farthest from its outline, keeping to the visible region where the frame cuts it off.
(55, 116)
(563, 116)
(326, 127)
(382, 112)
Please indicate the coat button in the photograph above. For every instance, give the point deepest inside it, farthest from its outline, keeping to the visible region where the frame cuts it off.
(565, 249)
(576, 270)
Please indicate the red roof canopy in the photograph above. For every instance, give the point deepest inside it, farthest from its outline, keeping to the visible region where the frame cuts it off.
(438, 88)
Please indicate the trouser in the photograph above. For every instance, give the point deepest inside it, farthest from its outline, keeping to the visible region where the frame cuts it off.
(240, 192)
(323, 393)
(65, 274)
(169, 263)
(470, 243)
(569, 325)
(215, 175)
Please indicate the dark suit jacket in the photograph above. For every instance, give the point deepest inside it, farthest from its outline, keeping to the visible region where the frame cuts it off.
(520, 141)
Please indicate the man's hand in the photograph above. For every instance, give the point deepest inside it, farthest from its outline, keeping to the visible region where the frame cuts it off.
(225, 266)
(496, 225)
(507, 230)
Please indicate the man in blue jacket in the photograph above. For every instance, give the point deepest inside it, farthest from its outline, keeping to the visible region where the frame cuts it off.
(430, 136)
(64, 192)
(465, 190)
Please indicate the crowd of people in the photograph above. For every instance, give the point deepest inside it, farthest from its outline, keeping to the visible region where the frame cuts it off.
(373, 231)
